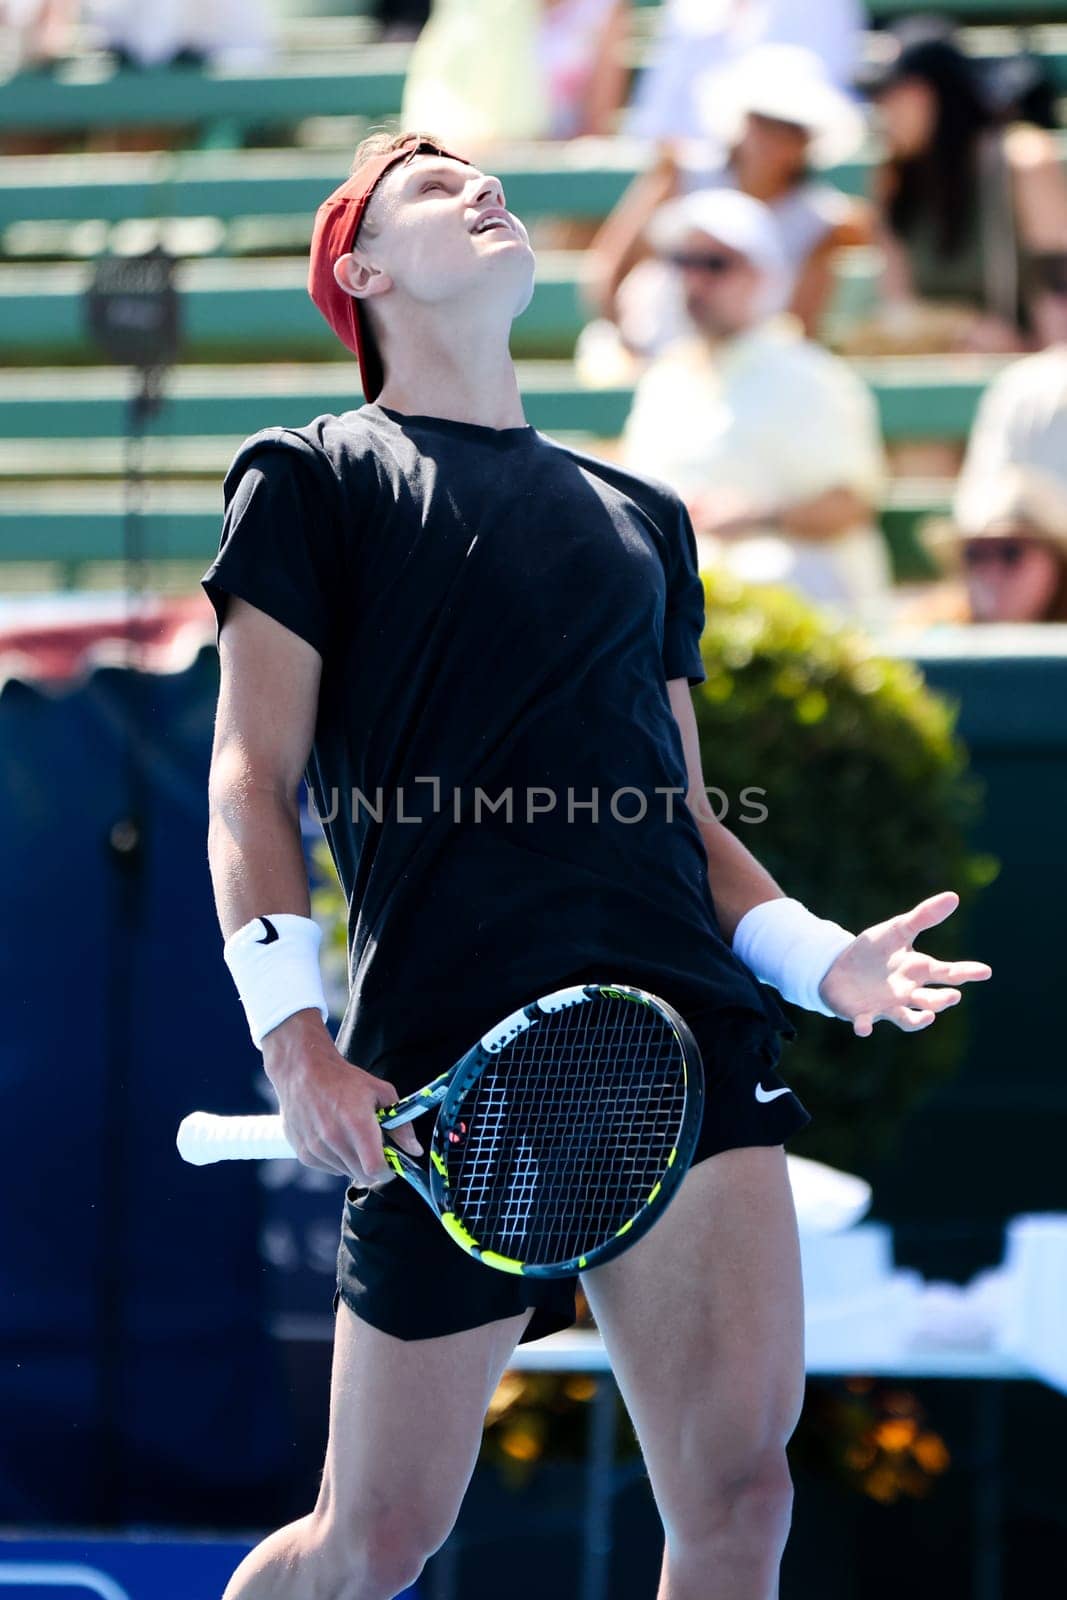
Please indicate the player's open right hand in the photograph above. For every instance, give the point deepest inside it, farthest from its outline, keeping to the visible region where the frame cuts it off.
(328, 1105)
(881, 975)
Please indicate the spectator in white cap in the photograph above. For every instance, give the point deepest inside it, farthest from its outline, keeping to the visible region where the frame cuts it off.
(772, 441)
(769, 123)
(1005, 558)
(1021, 422)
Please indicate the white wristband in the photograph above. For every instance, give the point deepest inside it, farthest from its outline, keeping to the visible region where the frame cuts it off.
(274, 961)
(786, 945)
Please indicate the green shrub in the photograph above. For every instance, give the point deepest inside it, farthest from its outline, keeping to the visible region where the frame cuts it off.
(869, 802)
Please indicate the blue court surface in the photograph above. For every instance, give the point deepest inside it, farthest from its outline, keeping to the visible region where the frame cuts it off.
(142, 1566)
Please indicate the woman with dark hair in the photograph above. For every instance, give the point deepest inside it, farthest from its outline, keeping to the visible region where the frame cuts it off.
(973, 209)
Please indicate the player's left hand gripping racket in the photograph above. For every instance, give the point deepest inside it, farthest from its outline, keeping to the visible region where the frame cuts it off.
(560, 1137)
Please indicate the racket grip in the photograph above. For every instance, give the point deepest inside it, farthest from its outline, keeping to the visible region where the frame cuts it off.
(204, 1138)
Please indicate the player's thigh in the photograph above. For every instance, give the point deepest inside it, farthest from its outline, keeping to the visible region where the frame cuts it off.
(406, 1422)
(703, 1320)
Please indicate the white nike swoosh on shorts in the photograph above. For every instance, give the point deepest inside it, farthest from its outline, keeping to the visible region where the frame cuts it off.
(763, 1095)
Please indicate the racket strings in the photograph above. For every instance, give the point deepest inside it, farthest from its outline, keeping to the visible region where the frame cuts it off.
(569, 1130)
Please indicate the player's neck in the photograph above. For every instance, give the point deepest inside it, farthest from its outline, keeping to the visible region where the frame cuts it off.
(486, 407)
(464, 375)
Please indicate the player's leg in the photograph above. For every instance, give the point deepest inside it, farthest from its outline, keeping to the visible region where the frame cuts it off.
(703, 1320)
(405, 1426)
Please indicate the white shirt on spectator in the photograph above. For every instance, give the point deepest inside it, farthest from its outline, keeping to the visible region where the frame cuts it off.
(770, 417)
(568, 47)
(226, 32)
(1021, 422)
(697, 36)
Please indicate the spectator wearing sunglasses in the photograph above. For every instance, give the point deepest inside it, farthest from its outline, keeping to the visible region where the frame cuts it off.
(773, 124)
(771, 440)
(1010, 563)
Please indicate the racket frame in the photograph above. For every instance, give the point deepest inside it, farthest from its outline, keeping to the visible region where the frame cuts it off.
(447, 1092)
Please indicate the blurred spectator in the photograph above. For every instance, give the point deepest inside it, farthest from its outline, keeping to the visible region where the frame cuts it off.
(486, 71)
(1021, 422)
(148, 33)
(471, 76)
(36, 32)
(771, 440)
(973, 213)
(401, 19)
(1010, 563)
(700, 36)
(770, 121)
(582, 54)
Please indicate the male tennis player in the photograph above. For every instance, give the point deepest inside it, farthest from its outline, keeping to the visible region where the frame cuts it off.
(431, 607)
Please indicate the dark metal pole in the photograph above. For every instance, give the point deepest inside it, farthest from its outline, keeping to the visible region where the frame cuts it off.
(988, 1501)
(599, 1479)
(132, 311)
(125, 844)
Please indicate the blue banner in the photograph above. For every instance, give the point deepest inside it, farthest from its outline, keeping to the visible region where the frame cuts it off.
(144, 1568)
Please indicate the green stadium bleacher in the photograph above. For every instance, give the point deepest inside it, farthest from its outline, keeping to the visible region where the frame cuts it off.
(918, 398)
(208, 410)
(538, 181)
(1002, 11)
(233, 402)
(77, 524)
(234, 308)
(62, 457)
(89, 93)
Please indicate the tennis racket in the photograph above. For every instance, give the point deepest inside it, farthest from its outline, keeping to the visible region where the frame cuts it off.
(560, 1137)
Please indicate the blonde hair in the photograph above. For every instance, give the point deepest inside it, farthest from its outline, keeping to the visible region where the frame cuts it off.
(380, 144)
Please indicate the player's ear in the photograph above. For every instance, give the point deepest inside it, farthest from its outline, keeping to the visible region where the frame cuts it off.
(358, 277)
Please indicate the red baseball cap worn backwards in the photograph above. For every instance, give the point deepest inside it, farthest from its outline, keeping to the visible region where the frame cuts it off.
(336, 226)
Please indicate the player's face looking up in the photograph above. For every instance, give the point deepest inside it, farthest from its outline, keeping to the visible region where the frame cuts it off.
(437, 235)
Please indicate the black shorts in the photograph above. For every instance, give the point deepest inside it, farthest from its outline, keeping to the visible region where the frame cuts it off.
(398, 1269)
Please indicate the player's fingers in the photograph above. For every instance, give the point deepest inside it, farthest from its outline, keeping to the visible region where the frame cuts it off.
(385, 1095)
(325, 1157)
(928, 913)
(863, 1025)
(367, 1142)
(337, 1146)
(407, 1139)
(934, 999)
(916, 966)
(309, 1157)
(955, 972)
(405, 1136)
(909, 1021)
(308, 1160)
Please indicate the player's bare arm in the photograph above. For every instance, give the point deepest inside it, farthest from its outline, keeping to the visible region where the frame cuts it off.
(880, 975)
(268, 694)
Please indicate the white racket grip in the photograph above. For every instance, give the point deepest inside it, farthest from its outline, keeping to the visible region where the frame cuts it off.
(204, 1138)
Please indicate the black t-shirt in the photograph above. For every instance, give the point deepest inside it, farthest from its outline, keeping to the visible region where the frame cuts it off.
(497, 616)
